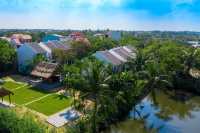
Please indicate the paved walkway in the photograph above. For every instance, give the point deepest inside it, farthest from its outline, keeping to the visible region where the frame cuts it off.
(5, 104)
(63, 117)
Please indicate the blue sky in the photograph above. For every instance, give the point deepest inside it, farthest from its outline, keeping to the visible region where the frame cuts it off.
(101, 14)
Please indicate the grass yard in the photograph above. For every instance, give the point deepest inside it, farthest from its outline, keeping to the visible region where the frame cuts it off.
(51, 104)
(11, 85)
(26, 94)
(33, 98)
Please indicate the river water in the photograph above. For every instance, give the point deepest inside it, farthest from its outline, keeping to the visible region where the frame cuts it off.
(162, 112)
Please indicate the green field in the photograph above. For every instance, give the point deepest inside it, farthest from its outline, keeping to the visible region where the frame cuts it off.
(26, 94)
(51, 104)
(12, 85)
(33, 98)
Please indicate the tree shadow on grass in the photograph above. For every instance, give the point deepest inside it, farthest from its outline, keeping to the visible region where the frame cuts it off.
(62, 97)
(38, 90)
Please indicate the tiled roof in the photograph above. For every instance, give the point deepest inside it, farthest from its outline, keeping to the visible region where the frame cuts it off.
(58, 45)
(21, 36)
(111, 58)
(117, 56)
(36, 47)
(16, 41)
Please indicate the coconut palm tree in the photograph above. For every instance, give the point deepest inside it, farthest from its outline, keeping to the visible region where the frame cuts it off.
(150, 70)
(190, 59)
(96, 86)
(92, 81)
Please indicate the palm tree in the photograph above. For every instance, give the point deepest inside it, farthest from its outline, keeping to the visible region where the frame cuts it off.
(190, 59)
(96, 78)
(149, 69)
(92, 82)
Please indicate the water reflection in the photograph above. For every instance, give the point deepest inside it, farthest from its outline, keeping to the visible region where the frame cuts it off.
(163, 112)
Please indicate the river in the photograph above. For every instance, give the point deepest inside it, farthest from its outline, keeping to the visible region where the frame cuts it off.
(162, 112)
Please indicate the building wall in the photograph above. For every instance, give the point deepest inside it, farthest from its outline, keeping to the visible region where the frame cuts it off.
(25, 55)
(115, 35)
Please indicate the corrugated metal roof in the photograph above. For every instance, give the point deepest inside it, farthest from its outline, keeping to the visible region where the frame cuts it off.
(36, 47)
(112, 58)
(118, 55)
(58, 45)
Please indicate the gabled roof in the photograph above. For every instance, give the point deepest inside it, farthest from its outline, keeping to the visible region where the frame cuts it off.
(21, 36)
(58, 45)
(37, 48)
(44, 69)
(117, 56)
(113, 59)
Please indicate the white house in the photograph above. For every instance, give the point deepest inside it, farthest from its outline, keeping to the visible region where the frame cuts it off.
(193, 42)
(116, 56)
(26, 53)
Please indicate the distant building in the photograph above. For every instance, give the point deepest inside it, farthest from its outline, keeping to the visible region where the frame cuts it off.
(52, 45)
(76, 35)
(53, 37)
(100, 35)
(196, 46)
(79, 37)
(18, 40)
(193, 42)
(116, 56)
(115, 35)
(5, 38)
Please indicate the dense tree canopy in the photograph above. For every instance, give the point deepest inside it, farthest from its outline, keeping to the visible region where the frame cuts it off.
(7, 56)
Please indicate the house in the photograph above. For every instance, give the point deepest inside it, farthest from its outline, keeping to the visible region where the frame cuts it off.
(46, 71)
(76, 35)
(52, 45)
(53, 37)
(29, 51)
(115, 35)
(26, 53)
(18, 40)
(116, 56)
(193, 42)
(5, 38)
(99, 35)
(196, 46)
(80, 38)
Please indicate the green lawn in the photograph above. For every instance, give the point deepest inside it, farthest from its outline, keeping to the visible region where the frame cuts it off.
(26, 94)
(51, 104)
(11, 85)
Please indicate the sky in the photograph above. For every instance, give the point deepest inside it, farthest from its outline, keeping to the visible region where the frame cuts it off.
(170, 15)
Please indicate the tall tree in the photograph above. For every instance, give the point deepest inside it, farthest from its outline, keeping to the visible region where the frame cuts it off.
(7, 56)
(93, 83)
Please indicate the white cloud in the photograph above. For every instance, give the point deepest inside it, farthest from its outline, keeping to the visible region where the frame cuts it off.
(97, 3)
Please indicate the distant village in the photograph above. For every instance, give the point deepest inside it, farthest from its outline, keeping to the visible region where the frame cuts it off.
(44, 74)
(27, 50)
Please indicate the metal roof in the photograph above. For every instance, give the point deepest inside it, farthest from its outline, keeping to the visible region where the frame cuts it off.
(36, 47)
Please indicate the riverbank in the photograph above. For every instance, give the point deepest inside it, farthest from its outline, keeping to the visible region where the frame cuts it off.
(169, 113)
